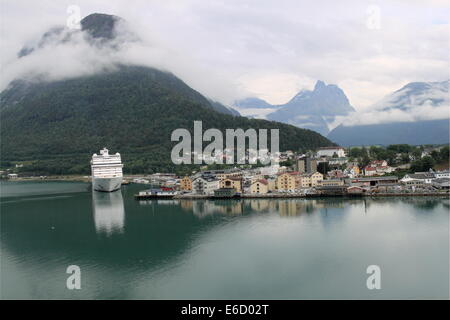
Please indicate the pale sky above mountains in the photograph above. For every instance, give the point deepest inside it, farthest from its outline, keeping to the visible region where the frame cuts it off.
(270, 49)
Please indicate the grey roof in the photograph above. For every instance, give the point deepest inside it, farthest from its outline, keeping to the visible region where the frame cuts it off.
(376, 178)
(421, 175)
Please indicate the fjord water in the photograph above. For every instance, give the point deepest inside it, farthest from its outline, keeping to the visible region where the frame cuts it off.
(227, 249)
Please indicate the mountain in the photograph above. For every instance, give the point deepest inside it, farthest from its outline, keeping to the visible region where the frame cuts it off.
(219, 107)
(415, 95)
(96, 28)
(416, 114)
(250, 103)
(313, 110)
(55, 126)
(414, 133)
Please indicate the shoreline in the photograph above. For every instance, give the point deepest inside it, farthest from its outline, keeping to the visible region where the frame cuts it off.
(309, 196)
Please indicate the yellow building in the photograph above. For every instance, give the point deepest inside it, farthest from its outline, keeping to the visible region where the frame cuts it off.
(260, 186)
(288, 181)
(272, 184)
(356, 170)
(310, 180)
(316, 178)
(235, 183)
(305, 181)
(186, 184)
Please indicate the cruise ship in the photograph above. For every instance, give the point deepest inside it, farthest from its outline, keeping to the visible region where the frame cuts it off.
(106, 171)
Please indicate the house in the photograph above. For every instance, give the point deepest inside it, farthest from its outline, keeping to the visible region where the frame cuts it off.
(13, 175)
(338, 152)
(377, 168)
(205, 186)
(231, 182)
(335, 174)
(352, 171)
(259, 187)
(186, 184)
(289, 181)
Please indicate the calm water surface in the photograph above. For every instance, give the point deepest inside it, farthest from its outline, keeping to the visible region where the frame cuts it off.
(228, 249)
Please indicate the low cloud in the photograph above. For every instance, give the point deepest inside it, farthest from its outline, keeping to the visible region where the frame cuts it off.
(234, 49)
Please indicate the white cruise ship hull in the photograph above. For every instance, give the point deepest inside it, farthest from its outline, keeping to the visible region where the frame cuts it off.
(106, 184)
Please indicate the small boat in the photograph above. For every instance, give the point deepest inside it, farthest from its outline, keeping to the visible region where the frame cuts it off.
(160, 193)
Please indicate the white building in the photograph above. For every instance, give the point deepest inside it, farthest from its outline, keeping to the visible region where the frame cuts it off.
(205, 186)
(270, 170)
(330, 152)
(424, 177)
(442, 174)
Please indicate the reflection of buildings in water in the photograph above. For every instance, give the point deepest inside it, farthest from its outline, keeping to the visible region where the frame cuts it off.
(260, 204)
(186, 205)
(289, 208)
(109, 212)
(208, 207)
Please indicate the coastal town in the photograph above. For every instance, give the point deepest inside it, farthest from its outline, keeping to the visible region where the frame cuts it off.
(327, 171)
(302, 176)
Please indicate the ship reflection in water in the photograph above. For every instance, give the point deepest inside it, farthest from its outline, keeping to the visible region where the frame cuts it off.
(109, 212)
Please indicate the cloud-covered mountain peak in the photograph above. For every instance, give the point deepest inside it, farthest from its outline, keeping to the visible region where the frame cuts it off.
(95, 29)
(416, 95)
(100, 25)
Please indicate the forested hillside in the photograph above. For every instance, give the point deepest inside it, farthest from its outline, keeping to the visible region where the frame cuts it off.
(56, 126)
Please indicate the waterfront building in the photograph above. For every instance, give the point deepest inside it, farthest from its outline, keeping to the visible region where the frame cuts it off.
(316, 177)
(186, 184)
(423, 177)
(231, 182)
(374, 181)
(441, 183)
(288, 181)
(205, 186)
(259, 187)
(225, 193)
(442, 174)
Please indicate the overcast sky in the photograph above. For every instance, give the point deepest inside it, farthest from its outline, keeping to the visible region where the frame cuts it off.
(269, 49)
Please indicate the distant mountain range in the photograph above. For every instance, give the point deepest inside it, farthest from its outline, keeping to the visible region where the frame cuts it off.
(313, 110)
(418, 113)
(57, 125)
